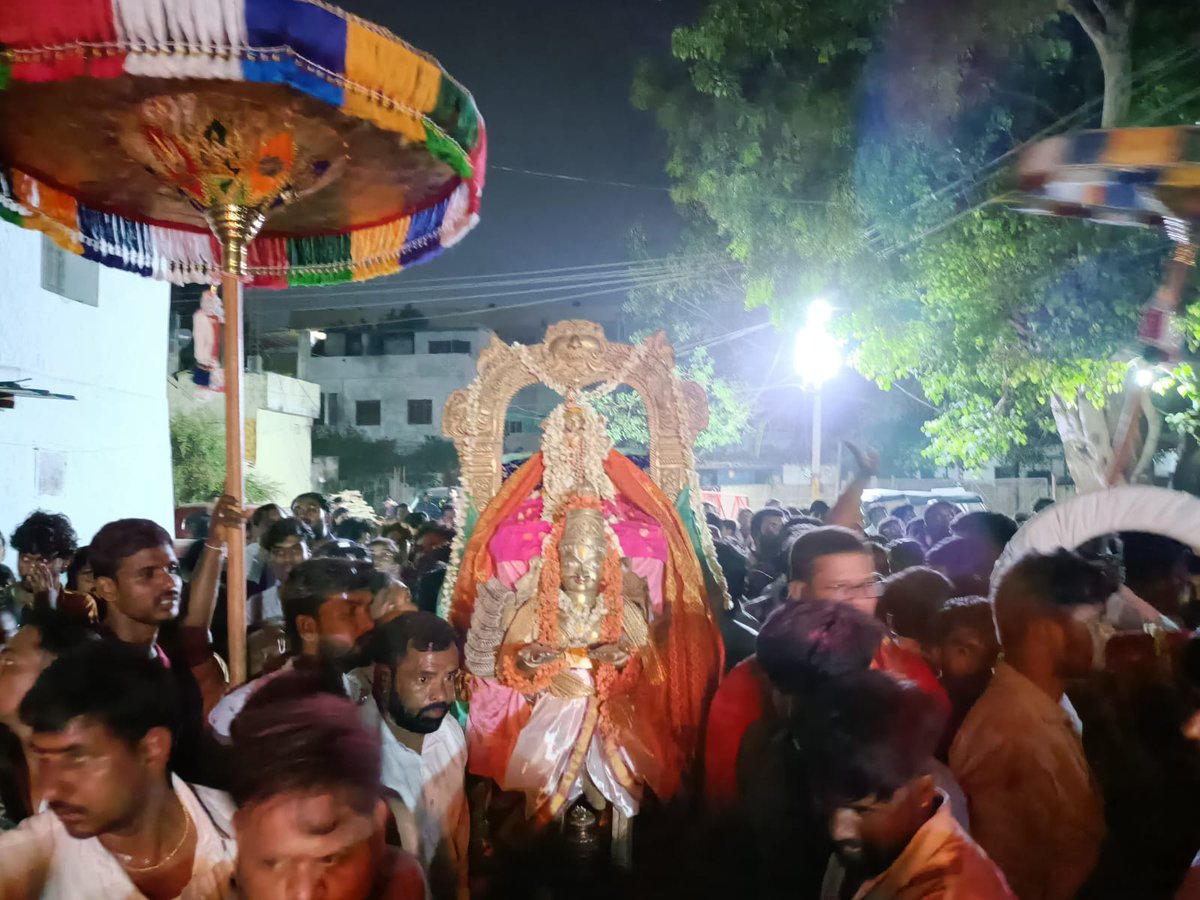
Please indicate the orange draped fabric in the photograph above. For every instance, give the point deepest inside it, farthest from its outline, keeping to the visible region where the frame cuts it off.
(477, 566)
(693, 642)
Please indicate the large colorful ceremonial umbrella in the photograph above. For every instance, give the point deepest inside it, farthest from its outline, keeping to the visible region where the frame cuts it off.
(1146, 177)
(162, 136)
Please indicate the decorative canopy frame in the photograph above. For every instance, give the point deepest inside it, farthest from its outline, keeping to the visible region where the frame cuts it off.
(576, 354)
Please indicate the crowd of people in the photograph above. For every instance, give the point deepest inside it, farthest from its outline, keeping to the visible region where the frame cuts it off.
(897, 719)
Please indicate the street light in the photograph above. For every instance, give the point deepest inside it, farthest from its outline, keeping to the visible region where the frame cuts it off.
(818, 358)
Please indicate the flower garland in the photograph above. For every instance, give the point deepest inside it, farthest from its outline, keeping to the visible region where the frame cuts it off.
(458, 546)
(635, 358)
(574, 470)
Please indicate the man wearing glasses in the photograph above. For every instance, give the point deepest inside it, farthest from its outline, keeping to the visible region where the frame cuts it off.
(829, 565)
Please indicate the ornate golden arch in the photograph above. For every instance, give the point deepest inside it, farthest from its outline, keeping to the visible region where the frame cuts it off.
(576, 354)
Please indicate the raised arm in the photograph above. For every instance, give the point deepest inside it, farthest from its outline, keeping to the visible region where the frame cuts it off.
(847, 511)
(202, 598)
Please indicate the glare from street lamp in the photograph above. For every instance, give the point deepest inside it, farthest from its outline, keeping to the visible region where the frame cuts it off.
(1143, 376)
(819, 313)
(818, 356)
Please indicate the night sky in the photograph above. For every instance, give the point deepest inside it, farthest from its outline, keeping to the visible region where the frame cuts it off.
(552, 79)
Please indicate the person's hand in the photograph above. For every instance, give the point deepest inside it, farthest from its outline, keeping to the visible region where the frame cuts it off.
(613, 654)
(43, 584)
(227, 519)
(866, 460)
(534, 656)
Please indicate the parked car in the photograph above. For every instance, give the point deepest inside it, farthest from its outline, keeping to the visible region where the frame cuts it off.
(965, 500)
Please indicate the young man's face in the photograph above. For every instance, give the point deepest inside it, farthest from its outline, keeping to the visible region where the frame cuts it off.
(341, 620)
(269, 517)
(147, 586)
(93, 780)
(312, 514)
(384, 558)
(286, 555)
(937, 520)
(1075, 651)
(426, 546)
(316, 846)
(424, 688)
(966, 654)
(844, 578)
(27, 564)
(869, 834)
(22, 660)
(892, 529)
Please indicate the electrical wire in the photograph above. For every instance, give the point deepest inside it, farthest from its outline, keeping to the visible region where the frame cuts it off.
(566, 298)
(633, 279)
(610, 285)
(559, 176)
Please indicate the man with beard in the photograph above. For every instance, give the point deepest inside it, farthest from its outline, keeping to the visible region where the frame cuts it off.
(311, 819)
(326, 610)
(869, 748)
(424, 749)
(119, 823)
(313, 510)
(1019, 756)
(137, 575)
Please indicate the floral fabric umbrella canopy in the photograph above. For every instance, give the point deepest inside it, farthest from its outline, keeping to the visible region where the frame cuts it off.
(163, 136)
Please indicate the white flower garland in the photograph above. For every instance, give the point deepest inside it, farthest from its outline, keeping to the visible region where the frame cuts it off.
(457, 548)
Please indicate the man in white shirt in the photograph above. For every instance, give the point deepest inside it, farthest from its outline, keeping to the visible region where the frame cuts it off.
(285, 546)
(260, 522)
(424, 749)
(117, 826)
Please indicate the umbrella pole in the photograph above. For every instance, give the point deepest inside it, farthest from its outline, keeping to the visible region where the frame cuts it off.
(235, 227)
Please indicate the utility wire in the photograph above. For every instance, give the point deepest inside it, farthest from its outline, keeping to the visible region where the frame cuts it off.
(614, 283)
(560, 176)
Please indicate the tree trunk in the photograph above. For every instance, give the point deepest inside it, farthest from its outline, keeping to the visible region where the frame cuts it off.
(1116, 62)
(1087, 442)
(1108, 24)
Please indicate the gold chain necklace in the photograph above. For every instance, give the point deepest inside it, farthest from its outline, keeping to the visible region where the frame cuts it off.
(126, 860)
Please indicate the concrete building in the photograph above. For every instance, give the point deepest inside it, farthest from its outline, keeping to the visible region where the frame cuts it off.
(279, 414)
(73, 327)
(388, 382)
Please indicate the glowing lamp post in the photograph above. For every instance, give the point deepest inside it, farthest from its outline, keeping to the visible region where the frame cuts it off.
(818, 359)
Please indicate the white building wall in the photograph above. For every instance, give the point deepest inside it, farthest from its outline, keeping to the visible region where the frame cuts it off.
(279, 413)
(394, 380)
(107, 454)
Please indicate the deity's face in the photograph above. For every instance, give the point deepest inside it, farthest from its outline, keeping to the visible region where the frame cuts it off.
(581, 555)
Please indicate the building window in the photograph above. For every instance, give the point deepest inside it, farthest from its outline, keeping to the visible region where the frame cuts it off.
(330, 411)
(68, 275)
(514, 426)
(366, 412)
(420, 412)
(449, 346)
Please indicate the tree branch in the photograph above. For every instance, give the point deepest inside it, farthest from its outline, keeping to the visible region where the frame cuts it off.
(1088, 17)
